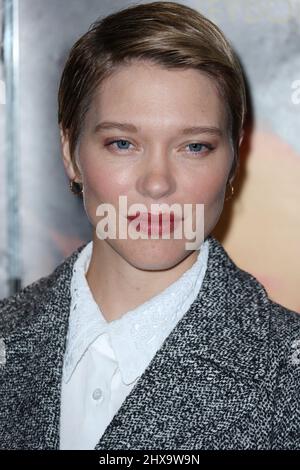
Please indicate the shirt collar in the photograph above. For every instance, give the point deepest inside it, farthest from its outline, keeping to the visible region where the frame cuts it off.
(139, 333)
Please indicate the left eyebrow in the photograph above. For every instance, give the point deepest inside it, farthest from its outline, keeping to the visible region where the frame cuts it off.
(203, 130)
(124, 126)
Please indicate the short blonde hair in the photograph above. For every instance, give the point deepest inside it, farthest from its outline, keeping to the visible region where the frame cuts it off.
(169, 34)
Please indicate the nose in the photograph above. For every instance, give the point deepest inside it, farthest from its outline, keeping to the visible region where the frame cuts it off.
(156, 178)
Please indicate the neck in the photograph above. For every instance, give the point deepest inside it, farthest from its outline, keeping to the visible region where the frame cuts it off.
(117, 286)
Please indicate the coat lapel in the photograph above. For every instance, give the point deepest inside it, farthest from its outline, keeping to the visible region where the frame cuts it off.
(206, 376)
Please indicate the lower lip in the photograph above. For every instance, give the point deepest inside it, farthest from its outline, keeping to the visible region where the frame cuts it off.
(155, 228)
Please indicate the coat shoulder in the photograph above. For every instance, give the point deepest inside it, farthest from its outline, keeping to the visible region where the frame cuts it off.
(249, 289)
(285, 341)
(284, 323)
(251, 306)
(24, 304)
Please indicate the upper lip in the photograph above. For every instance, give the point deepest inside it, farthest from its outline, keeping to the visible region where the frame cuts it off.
(148, 215)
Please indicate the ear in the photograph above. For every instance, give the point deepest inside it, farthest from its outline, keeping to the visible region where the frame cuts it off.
(66, 156)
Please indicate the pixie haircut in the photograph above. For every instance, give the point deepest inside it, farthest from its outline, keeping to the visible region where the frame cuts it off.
(168, 34)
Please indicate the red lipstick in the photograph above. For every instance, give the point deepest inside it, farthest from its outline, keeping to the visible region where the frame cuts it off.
(154, 223)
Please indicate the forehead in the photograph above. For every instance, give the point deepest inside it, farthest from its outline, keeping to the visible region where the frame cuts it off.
(153, 96)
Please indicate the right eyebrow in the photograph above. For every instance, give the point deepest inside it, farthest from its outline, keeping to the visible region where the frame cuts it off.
(123, 126)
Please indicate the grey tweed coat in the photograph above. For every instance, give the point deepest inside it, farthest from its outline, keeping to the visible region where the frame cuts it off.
(227, 377)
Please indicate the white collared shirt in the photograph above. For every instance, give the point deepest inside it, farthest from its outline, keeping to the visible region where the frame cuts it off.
(104, 360)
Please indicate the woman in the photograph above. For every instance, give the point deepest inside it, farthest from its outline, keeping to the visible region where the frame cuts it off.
(142, 342)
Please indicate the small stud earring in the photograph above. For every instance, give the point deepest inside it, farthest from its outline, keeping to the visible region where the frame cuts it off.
(76, 187)
(232, 192)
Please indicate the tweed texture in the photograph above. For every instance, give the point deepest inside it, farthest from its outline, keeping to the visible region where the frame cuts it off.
(226, 377)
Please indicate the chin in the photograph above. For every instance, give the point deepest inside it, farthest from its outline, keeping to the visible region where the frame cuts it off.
(152, 254)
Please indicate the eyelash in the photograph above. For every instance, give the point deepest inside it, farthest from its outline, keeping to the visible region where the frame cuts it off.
(209, 147)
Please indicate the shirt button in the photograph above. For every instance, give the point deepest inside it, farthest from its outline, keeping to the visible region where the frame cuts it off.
(97, 394)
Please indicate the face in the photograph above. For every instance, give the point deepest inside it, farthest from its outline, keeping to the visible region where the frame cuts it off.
(153, 161)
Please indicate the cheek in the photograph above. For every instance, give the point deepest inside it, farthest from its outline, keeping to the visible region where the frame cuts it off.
(207, 183)
(103, 184)
(208, 188)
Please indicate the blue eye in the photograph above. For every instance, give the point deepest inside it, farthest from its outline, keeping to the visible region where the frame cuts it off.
(122, 143)
(197, 147)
